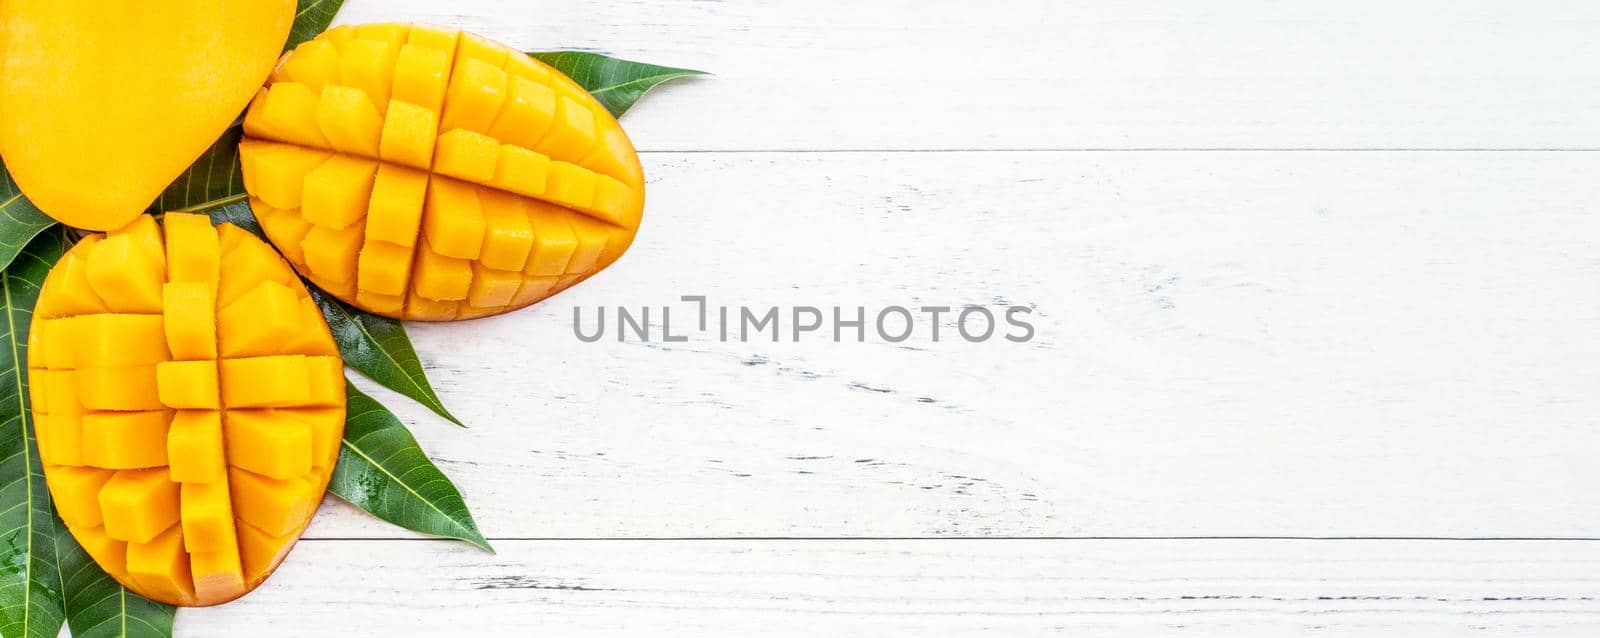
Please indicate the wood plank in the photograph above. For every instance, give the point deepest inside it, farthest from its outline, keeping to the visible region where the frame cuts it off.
(1370, 344)
(917, 74)
(921, 588)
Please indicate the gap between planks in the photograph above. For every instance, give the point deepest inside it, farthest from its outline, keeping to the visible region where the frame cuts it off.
(888, 588)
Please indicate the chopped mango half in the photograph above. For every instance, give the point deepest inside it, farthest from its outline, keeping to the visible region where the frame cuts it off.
(188, 400)
(83, 80)
(428, 174)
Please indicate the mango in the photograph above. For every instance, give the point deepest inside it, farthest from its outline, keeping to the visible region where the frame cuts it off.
(423, 173)
(188, 424)
(106, 103)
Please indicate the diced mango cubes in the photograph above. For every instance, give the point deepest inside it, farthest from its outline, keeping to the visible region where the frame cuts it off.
(350, 120)
(115, 340)
(266, 444)
(261, 322)
(188, 384)
(287, 113)
(466, 155)
(126, 440)
(194, 255)
(219, 575)
(473, 99)
(194, 447)
(275, 506)
(408, 135)
(188, 314)
(421, 173)
(336, 192)
(265, 382)
(163, 363)
(452, 220)
(207, 514)
(77, 493)
(138, 505)
(132, 388)
(126, 275)
(159, 567)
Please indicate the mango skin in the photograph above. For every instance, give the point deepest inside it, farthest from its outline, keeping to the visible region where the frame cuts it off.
(424, 173)
(188, 401)
(104, 104)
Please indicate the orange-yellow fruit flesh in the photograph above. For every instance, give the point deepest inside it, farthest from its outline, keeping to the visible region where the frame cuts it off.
(98, 121)
(260, 552)
(276, 506)
(195, 448)
(420, 173)
(268, 445)
(159, 567)
(110, 553)
(150, 399)
(218, 575)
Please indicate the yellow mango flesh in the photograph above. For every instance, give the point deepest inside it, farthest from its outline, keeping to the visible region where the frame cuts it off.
(103, 104)
(186, 443)
(423, 173)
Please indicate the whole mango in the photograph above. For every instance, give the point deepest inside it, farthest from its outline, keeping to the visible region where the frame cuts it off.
(189, 405)
(424, 173)
(104, 104)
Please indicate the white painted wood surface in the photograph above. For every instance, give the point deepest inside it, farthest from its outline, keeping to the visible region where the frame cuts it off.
(1026, 74)
(1388, 344)
(1366, 342)
(923, 588)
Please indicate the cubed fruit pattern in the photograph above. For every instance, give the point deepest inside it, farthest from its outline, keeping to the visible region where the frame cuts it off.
(189, 404)
(424, 173)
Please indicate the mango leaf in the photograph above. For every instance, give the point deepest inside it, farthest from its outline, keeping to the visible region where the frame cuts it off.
(20, 220)
(213, 185)
(310, 18)
(383, 471)
(615, 82)
(379, 348)
(100, 607)
(214, 180)
(237, 213)
(30, 578)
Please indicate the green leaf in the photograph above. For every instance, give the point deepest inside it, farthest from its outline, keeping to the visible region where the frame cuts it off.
(214, 180)
(310, 18)
(100, 607)
(30, 578)
(20, 220)
(239, 214)
(383, 471)
(615, 82)
(379, 348)
(213, 185)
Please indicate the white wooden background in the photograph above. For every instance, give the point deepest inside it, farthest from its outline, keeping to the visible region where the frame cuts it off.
(1318, 301)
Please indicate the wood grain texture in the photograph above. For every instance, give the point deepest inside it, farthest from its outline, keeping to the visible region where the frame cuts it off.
(1325, 344)
(922, 588)
(1027, 74)
(1384, 343)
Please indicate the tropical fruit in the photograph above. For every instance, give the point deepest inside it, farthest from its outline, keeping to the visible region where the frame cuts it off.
(189, 403)
(424, 173)
(103, 104)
